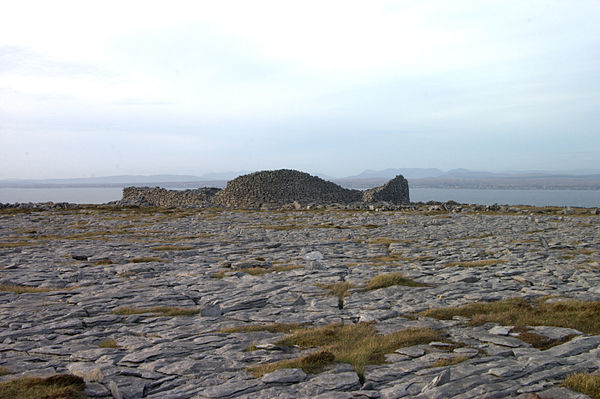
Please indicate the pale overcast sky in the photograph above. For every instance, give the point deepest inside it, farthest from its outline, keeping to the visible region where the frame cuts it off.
(190, 87)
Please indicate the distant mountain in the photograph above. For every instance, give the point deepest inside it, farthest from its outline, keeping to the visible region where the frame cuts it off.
(223, 175)
(183, 181)
(416, 173)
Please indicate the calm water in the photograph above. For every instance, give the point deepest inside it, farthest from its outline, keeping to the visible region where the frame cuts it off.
(96, 195)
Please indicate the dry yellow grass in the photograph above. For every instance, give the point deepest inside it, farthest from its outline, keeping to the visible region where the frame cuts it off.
(147, 259)
(273, 327)
(61, 386)
(108, 343)
(21, 289)
(585, 383)
(451, 361)
(356, 344)
(391, 279)
(580, 315)
(172, 248)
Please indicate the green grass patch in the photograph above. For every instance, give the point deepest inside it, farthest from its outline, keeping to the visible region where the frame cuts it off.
(475, 263)
(391, 279)
(157, 310)
(272, 327)
(172, 248)
(580, 315)
(585, 383)
(355, 344)
(147, 259)
(61, 386)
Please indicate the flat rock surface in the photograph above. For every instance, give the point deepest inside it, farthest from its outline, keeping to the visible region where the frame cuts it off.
(84, 263)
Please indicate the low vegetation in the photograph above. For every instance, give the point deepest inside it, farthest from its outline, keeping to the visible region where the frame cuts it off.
(337, 289)
(451, 361)
(21, 289)
(259, 271)
(109, 343)
(391, 279)
(147, 259)
(580, 315)
(219, 274)
(5, 371)
(61, 386)
(157, 310)
(172, 248)
(272, 327)
(355, 344)
(585, 383)
(103, 262)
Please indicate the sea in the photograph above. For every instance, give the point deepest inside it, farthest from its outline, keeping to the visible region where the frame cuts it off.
(100, 195)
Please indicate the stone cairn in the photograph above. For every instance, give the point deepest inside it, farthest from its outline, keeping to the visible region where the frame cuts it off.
(269, 189)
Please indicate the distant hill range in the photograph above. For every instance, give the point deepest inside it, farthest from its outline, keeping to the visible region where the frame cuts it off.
(417, 177)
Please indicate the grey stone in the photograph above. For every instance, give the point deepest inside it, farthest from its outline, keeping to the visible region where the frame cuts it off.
(211, 310)
(88, 371)
(284, 376)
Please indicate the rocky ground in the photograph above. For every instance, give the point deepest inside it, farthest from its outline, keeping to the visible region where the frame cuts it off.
(84, 263)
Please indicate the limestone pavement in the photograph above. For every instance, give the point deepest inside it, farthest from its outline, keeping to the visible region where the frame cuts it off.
(95, 260)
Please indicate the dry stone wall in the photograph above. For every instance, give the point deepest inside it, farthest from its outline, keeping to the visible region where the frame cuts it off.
(147, 196)
(268, 189)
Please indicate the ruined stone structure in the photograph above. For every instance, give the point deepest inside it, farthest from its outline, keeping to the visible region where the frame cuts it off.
(269, 189)
(146, 196)
(280, 187)
(394, 191)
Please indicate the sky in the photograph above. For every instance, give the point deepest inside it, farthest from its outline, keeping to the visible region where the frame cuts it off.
(102, 88)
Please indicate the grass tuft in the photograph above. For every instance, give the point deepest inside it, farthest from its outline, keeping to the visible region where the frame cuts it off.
(219, 274)
(157, 310)
(356, 344)
(451, 361)
(390, 279)
(273, 327)
(102, 262)
(585, 383)
(60, 386)
(5, 371)
(580, 315)
(172, 248)
(147, 259)
(337, 289)
(109, 343)
(21, 289)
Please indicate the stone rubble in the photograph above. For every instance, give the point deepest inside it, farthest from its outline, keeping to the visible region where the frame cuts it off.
(96, 259)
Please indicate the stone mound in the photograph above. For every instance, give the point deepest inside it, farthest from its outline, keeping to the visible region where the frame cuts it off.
(394, 191)
(280, 187)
